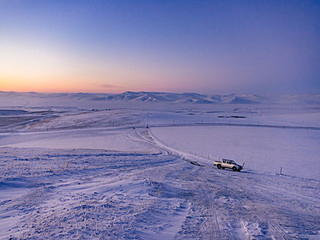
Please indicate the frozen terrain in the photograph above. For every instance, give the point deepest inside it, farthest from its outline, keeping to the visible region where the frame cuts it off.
(139, 166)
(296, 151)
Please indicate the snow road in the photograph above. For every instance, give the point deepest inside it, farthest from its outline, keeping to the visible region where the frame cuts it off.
(99, 194)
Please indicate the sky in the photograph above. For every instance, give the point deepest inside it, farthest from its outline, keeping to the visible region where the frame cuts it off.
(210, 47)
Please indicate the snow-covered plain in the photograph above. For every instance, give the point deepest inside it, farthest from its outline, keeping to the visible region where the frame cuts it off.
(139, 166)
(296, 151)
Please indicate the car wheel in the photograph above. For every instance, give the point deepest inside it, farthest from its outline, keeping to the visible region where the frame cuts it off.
(234, 169)
(219, 166)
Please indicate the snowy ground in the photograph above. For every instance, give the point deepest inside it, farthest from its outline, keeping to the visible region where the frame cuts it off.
(122, 170)
(263, 149)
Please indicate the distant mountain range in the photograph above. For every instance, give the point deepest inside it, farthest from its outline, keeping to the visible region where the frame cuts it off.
(183, 97)
(170, 97)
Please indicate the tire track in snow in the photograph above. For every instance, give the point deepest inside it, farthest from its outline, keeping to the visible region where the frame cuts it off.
(210, 226)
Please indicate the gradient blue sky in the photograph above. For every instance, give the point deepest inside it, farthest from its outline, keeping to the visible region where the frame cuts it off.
(264, 47)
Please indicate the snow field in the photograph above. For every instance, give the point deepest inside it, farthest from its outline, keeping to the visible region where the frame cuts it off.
(116, 140)
(90, 169)
(96, 194)
(107, 195)
(262, 149)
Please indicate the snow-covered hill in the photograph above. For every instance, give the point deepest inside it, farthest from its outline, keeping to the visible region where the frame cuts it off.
(161, 97)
